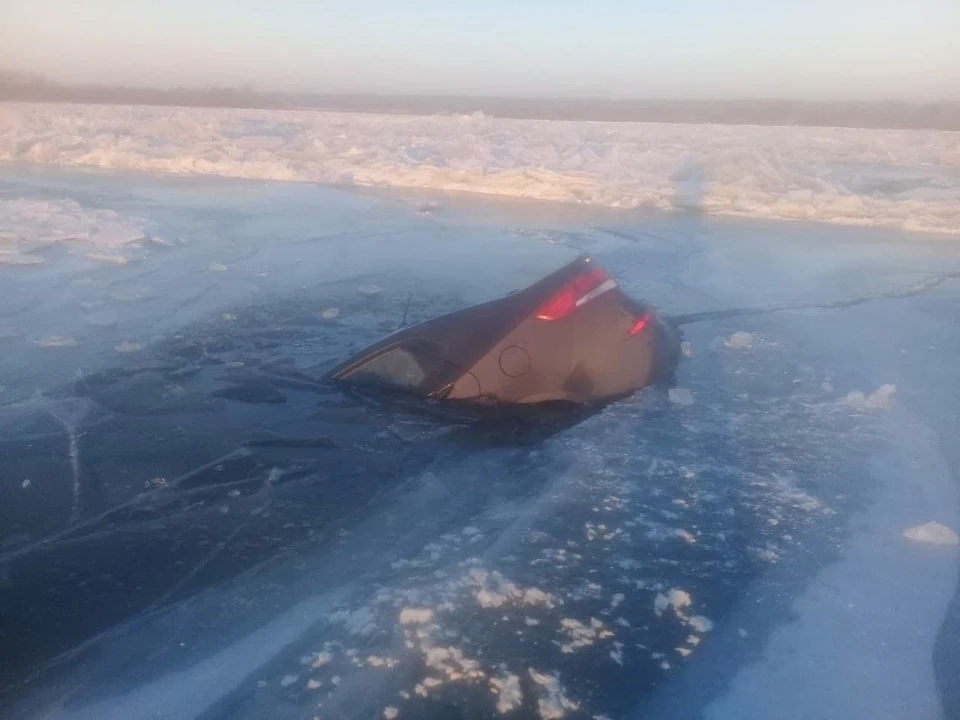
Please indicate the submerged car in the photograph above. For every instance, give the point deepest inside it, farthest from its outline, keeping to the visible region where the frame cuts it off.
(573, 338)
(168, 474)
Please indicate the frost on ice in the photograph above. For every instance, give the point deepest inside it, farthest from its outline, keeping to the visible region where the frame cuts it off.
(932, 533)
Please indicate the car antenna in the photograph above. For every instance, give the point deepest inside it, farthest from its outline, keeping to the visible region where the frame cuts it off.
(406, 309)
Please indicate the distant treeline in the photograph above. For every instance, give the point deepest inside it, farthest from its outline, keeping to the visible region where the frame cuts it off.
(25, 87)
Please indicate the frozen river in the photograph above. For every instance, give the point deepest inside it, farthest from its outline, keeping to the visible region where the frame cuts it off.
(745, 546)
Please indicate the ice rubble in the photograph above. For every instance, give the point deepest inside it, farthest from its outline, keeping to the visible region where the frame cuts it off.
(828, 174)
(27, 226)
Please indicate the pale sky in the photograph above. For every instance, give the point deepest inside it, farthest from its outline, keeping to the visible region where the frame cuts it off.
(807, 49)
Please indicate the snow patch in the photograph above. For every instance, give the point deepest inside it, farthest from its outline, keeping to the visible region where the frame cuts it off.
(582, 635)
(323, 658)
(880, 398)
(739, 340)
(508, 692)
(127, 347)
(932, 533)
(701, 624)
(680, 396)
(553, 703)
(493, 591)
(415, 616)
(56, 341)
(360, 622)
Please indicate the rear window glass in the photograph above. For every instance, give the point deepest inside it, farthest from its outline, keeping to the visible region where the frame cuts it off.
(397, 368)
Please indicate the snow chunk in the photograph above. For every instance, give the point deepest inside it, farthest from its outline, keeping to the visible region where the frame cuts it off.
(509, 694)
(451, 662)
(739, 340)
(126, 347)
(369, 290)
(660, 603)
(701, 624)
(617, 599)
(686, 348)
(582, 635)
(553, 703)
(494, 591)
(880, 398)
(932, 533)
(362, 621)
(679, 599)
(390, 712)
(415, 616)
(680, 396)
(323, 658)
(377, 661)
(288, 680)
(56, 341)
(617, 653)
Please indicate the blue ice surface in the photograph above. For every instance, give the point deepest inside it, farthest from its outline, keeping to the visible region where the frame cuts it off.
(776, 507)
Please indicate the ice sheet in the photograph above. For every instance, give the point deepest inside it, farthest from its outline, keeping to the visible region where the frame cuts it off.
(901, 179)
(519, 580)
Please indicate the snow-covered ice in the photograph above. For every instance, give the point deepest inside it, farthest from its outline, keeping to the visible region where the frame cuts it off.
(895, 178)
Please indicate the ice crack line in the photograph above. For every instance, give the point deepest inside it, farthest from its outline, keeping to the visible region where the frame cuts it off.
(915, 289)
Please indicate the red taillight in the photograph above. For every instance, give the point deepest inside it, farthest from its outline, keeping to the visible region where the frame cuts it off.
(579, 291)
(640, 324)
